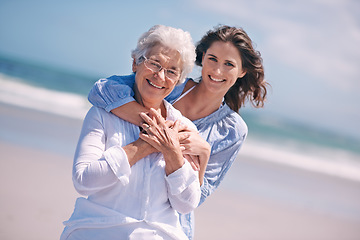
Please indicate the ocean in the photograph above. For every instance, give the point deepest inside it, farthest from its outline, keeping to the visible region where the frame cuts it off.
(56, 91)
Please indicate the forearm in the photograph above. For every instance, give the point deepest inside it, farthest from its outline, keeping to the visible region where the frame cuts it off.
(130, 112)
(112, 92)
(198, 149)
(203, 160)
(218, 165)
(173, 161)
(137, 150)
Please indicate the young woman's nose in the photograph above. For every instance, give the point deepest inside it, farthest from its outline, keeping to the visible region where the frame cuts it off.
(218, 69)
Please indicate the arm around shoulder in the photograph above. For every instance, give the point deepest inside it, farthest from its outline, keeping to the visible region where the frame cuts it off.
(115, 94)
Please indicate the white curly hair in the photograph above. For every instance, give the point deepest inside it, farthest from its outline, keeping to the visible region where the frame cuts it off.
(170, 37)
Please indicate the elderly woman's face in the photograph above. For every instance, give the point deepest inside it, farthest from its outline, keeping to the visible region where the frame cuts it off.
(155, 86)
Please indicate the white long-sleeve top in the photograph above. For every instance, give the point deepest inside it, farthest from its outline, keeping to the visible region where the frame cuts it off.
(119, 195)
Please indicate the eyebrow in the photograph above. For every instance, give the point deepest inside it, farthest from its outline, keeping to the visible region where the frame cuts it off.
(229, 61)
(175, 68)
(212, 55)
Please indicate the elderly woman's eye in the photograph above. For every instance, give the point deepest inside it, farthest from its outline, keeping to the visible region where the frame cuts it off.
(172, 72)
(155, 64)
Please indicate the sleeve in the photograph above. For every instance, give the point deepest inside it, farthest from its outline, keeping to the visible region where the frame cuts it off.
(218, 165)
(115, 91)
(94, 167)
(176, 92)
(184, 189)
(112, 92)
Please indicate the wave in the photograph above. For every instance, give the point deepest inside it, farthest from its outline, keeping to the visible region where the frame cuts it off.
(14, 91)
(325, 160)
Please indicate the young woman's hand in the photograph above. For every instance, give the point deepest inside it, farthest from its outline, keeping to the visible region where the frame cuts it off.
(195, 149)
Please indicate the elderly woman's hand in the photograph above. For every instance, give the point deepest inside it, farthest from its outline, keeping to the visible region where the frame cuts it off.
(163, 137)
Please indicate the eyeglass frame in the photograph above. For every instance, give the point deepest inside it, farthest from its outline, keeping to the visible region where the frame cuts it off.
(146, 61)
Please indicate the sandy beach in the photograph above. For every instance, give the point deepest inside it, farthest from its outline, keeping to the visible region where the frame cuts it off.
(258, 200)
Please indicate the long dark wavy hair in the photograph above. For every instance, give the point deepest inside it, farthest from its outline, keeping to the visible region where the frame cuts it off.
(252, 86)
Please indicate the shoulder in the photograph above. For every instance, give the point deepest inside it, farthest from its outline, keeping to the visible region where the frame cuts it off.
(189, 84)
(223, 129)
(179, 89)
(96, 113)
(232, 126)
(224, 119)
(236, 122)
(101, 115)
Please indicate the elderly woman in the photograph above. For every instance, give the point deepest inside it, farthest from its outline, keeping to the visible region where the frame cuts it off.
(136, 186)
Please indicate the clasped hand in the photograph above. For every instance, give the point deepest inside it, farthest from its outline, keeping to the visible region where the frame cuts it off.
(172, 138)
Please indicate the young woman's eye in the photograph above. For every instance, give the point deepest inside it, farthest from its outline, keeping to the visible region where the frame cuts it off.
(229, 64)
(213, 59)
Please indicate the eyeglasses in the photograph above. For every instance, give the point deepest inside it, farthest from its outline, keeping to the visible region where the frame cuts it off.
(156, 67)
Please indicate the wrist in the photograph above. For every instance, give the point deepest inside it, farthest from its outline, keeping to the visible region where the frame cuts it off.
(173, 161)
(145, 147)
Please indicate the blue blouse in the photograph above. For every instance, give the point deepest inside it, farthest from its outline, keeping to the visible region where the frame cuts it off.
(224, 130)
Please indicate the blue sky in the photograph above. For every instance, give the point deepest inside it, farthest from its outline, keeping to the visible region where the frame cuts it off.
(310, 47)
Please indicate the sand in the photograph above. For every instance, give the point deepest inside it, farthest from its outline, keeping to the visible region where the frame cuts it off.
(257, 200)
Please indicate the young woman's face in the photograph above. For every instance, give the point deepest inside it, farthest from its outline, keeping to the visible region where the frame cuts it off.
(222, 66)
(155, 86)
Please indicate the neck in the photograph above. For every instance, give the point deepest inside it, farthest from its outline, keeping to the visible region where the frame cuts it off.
(215, 100)
(199, 107)
(158, 106)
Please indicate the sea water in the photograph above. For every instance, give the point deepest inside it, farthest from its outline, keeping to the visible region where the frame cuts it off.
(276, 140)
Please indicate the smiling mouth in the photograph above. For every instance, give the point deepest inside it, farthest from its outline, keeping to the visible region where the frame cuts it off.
(216, 80)
(154, 85)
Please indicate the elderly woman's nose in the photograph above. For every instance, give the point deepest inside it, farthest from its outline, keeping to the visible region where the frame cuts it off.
(161, 74)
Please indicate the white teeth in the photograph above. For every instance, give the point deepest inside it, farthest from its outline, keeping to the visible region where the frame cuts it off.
(216, 80)
(152, 84)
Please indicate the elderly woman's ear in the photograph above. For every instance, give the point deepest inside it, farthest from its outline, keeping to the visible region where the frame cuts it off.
(134, 66)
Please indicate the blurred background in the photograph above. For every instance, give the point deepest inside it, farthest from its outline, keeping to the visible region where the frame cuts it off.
(310, 51)
(51, 53)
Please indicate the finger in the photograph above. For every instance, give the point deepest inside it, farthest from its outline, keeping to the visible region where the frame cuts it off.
(187, 150)
(150, 139)
(187, 157)
(144, 127)
(169, 123)
(185, 128)
(159, 119)
(176, 125)
(196, 161)
(146, 118)
(194, 164)
(183, 137)
(196, 168)
(182, 127)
